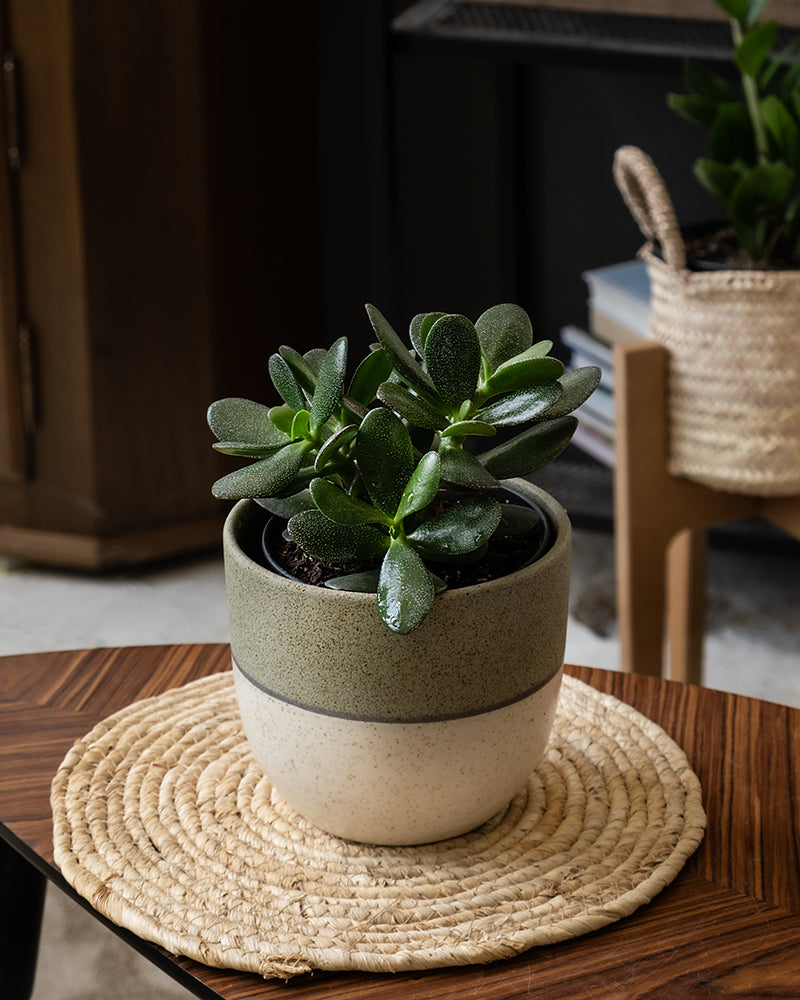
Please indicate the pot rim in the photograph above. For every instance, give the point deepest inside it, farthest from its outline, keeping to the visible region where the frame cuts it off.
(562, 535)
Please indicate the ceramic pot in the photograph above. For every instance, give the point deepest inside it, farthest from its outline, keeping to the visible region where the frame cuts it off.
(397, 739)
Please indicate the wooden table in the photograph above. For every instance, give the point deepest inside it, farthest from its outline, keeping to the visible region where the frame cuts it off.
(729, 926)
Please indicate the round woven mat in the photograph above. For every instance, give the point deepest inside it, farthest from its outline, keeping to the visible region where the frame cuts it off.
(165, 823)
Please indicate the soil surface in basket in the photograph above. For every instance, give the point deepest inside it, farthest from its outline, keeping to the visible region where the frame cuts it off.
(722, 249)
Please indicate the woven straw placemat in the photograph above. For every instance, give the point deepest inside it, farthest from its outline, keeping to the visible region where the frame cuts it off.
(165, 823)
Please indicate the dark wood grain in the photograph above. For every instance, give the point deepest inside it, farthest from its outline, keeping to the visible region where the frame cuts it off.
(729, 926)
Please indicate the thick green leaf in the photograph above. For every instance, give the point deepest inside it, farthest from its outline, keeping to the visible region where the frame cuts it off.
(404, 362)
(762, 190)
(286, 507)
(462, 527)
(702, 81)
(504, 331)
(374, 369)
(531, 449)
(269, 477)
(365, 582)
(419, 412)
(755, 46)
(286, 384)
(464, 469)
(731, 135)
(516, 520)
(422, 487)
(516, 375)
(694, 108)
(577, 385)
(737, 9)
(303, 367)
(330, 385)
(519, 407)
(343, 508)
(282, 417)
(331, 451)
(300, 425)
(385, 458)
(719, 179)
(405, 588)
(782, 126)
(453, 358)
(336, 543)
(245, 450)
(420, 328)
(242, 420)
(466, 428)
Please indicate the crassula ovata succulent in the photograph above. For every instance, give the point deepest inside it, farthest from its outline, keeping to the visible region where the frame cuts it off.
(374, 467)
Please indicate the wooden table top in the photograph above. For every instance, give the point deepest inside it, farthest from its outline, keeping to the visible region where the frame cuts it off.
(729, 926)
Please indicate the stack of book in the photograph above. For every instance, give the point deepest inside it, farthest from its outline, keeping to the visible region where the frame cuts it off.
(618, 312)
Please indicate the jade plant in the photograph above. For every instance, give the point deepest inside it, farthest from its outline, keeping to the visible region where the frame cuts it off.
(752, 161)
(374, 467)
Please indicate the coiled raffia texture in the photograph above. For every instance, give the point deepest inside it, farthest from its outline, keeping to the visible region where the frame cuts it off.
(164, 822)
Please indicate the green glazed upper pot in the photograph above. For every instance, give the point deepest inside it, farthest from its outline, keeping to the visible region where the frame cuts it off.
(397, 739)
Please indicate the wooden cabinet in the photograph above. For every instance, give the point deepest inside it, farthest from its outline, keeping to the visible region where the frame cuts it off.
(153, 243)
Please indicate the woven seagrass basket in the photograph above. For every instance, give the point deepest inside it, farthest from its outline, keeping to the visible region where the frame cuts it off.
(733, 338)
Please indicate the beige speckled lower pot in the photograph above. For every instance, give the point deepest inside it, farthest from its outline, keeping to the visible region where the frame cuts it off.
(396, 739)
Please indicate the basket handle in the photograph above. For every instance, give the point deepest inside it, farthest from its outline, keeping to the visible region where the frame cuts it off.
(644, 192)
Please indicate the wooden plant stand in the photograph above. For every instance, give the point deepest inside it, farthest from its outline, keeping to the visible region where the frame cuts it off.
(661, 524)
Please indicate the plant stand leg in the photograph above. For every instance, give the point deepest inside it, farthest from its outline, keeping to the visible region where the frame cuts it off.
(23, 889)
(687, 564)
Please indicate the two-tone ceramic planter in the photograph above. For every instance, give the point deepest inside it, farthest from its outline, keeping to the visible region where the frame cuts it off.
(397, 739)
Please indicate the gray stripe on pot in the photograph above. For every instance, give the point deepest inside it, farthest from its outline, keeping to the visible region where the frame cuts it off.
(354, 717)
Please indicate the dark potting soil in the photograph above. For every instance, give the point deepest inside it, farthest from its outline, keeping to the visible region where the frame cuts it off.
(721, 249)
(504, 555)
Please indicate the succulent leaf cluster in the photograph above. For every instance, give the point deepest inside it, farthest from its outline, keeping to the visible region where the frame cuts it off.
(374, 467)
(752, 161)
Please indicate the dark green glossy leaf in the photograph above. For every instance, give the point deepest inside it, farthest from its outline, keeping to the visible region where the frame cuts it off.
(453, 359)
(374, 369)
(269, 477)
(422, 487)
(694, 108)
(466, 428)
(702, 81)
(303, 367)
(404, 362)
(719, 179)
(462, 527)
(464, 469)
(342, 507)
(419, 329)
(737, 9)
(405, 588)
(336, 543)
(286, 384)
(577, 385)
(762, 190)
(755, 46)
(731, 135)
(519, 407)
(516, 519)
(365, 582)
(286, 507)
(330, 385)
(504, 331)
(516, 375)
(242, 420)
(245, 450)
(782, 126)
(331, 451)
(417, 411)
(385, 458)
(531, 449)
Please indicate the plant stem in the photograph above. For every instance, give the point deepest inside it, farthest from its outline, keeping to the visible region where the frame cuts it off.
(750, 88)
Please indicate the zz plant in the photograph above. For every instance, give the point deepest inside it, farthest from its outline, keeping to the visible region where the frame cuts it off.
(752, 161)
(376, 468)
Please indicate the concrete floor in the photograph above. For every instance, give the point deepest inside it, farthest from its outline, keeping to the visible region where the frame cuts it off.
(752, 647)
